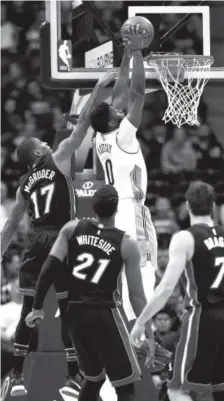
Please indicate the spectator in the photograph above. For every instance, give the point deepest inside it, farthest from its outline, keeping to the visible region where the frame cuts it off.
(9, 39)
(209, 151)
(10, 313)
(178, 154)
(3, 208)
(164, 334)
(155, 144)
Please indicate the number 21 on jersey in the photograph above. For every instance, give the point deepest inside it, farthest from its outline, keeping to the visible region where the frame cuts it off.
(88, 260)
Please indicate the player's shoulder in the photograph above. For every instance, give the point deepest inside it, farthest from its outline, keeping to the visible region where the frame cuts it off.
(69, 228)
(126, 124)
(182, 242)
(129, 247)
(182, 238)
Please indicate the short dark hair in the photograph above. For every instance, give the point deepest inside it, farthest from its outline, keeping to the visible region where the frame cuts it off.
(201, 198)
(25, 151)
(100, 118)
(105, 201)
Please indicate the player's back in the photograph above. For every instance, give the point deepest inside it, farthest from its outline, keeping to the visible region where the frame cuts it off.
(95, 263)
(49, 195)
(126, 171)
(204, 275)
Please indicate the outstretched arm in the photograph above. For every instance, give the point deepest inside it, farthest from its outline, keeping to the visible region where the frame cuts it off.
(121, 88)
(62, 156)
(12, 223)
(180, 251)
(130, 124)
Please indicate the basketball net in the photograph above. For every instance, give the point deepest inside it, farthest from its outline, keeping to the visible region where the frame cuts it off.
(183, 88)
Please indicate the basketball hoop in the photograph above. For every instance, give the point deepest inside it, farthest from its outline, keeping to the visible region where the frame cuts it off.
(183, 78)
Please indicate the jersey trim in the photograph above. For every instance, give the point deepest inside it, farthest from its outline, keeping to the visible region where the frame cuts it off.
(133, 359)
(125, 151)
(72, 197)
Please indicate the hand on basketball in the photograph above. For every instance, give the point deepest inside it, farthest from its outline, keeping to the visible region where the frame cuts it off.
(34, 317)
(136, 37)
(108, 77)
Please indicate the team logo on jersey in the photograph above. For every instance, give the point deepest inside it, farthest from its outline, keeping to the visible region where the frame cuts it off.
(87, 190)
(64, 55)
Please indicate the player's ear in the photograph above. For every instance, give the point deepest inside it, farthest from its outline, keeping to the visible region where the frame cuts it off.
(187, 206)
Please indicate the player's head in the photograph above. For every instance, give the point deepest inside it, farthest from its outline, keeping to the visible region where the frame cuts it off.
(200, 199)
(105, 118)
(105, 202)
(30, 150)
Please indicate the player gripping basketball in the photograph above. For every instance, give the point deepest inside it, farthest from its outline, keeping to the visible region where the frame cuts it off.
(96, 253)
(122, 160)
(46, 192)
(196, 256)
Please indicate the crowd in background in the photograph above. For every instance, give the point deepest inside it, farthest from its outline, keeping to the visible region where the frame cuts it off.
(174, 156)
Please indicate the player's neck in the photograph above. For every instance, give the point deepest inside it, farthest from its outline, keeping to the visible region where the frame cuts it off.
(201, 220)
(107, 223)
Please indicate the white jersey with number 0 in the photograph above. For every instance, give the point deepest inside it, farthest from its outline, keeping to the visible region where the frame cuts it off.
(126, 171)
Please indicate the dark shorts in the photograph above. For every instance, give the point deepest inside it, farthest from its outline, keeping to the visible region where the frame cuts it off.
(40, 244)
(199, 357)
(102, 344)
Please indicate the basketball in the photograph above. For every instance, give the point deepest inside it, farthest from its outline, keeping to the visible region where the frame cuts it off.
(145, 25)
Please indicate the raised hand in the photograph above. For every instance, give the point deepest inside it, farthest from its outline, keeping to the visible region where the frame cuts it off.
(136, 37)
(108, 77)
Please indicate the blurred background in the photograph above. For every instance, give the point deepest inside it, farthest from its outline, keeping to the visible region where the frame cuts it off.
(174, 156)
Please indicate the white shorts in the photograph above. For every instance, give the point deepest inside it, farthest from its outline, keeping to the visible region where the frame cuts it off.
(134, 218)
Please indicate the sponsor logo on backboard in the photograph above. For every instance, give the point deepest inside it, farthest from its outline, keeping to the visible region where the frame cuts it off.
(100, 57)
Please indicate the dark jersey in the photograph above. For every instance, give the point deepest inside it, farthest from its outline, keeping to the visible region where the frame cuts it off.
(49, 195)
(204, 274)
(95, 263)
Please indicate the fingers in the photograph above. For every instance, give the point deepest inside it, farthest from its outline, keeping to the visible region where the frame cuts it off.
(135, 29)
(126, 42)
(34, 322)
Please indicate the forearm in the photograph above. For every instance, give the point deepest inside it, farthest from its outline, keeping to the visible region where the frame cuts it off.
(92, 102)
(121, 87)
(10, 228)
(138, 304)
(155, 304)
(46, 278)
(137, 86)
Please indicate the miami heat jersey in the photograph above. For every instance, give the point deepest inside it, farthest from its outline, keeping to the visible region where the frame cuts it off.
(49, 195)
(95, 263)
(126, 171)
(204, 275)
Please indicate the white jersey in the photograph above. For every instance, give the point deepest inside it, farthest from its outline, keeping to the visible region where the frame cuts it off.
(126, 171)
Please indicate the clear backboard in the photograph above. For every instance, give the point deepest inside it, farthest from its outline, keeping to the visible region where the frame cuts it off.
(88, 34)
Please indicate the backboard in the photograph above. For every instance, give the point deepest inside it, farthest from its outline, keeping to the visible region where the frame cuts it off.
(88, 34)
